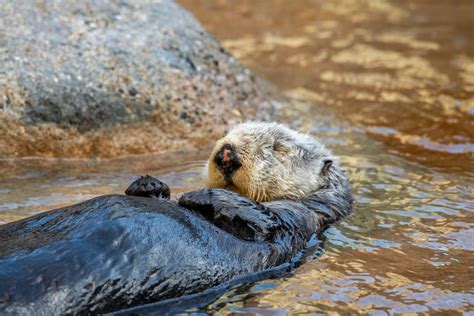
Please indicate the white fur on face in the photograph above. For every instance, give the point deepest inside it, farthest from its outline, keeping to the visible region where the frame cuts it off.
(277, 162)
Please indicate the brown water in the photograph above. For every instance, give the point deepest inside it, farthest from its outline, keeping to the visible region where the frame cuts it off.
(401, 70)
(32, 185)
(389, 86)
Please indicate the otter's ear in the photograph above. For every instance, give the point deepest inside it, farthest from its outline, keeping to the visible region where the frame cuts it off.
(327, 163)
(281, 146)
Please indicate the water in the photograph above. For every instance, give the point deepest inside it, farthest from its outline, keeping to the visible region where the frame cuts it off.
(401, 70)
(388, 86)
(30, 186)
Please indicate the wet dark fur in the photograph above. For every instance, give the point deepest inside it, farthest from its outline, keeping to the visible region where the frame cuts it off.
(115, 252)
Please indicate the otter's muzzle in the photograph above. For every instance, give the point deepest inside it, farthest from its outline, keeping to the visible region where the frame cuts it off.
(227, 161)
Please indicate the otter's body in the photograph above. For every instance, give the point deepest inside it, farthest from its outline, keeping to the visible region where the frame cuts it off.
(115, 252)
(269, 161)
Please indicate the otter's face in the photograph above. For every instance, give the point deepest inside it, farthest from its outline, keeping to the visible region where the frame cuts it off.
(227, 165)
(268, 161)
(250, 161)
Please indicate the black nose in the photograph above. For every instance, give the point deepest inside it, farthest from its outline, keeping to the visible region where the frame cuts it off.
(227, 161)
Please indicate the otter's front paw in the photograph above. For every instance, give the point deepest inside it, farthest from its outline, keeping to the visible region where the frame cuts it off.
(209, 202)
(237, 215)
(201, 201)
(149, 187)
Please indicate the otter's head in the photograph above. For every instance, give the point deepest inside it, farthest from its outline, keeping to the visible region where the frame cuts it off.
(267, 161)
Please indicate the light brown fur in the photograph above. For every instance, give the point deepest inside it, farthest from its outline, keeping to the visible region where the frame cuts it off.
(277, 163)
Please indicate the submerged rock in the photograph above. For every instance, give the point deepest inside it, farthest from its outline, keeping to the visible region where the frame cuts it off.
(106, 78)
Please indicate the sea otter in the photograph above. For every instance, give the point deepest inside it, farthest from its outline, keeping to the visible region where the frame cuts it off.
(269, 161)
(115, 252)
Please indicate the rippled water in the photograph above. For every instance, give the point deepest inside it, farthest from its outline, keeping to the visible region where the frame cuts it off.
(389, 87)
(30, 186)
(401, 70)
(408, 247)
(394, 85)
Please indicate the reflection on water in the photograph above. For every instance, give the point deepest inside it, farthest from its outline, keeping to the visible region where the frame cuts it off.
(408, 247)
(30, 186)
(402, 74)
(403, 71)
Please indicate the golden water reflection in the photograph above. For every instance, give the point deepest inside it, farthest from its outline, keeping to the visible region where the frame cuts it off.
(403, 71)
(31, 186)
(397, 72)
(407, 248)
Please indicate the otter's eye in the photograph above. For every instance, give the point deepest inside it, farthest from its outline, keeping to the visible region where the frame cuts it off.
(281, 147)
(277, 146)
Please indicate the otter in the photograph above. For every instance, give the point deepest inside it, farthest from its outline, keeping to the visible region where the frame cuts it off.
(116, 252)
(269, 161)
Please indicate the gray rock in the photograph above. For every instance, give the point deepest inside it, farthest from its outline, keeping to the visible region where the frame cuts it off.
(108, 77)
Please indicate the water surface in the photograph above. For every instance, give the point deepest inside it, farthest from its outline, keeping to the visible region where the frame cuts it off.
(392, 88)
(401, 70)
(388, 86)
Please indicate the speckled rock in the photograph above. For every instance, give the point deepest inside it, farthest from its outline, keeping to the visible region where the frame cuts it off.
(103, 78)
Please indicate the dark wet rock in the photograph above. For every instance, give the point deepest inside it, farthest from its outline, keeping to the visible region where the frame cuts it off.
(86, 78)
(115, 252)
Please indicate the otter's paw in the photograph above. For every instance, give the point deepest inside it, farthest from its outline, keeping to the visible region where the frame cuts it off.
(237, 215)
(149, 187)
(209, 202)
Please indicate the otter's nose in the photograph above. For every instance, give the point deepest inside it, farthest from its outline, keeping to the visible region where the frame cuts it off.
(227, 160)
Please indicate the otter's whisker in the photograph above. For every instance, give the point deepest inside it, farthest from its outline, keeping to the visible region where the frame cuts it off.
(194, 163)
(254, 191)
(261, 193)
(250, 191)
(264, 195)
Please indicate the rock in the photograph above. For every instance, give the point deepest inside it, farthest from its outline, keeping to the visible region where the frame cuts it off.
(107, 78)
